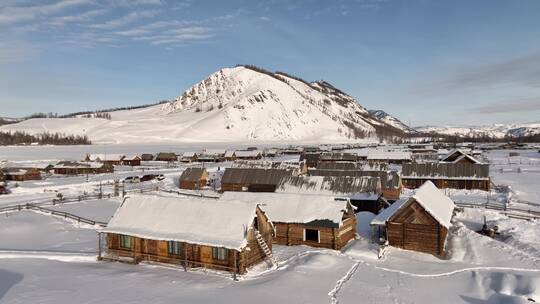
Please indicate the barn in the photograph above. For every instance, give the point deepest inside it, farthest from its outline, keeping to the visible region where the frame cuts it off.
(189, 233)
(458, 156)
(418, 223)
(363, 192)
(447, 175)
(252, 179)
(193, 178)
(21, 174)
(166, 157)
(304, 219)
(131, 160)
(75, 168)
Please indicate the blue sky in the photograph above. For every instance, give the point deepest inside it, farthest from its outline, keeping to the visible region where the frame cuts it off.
(426, 62)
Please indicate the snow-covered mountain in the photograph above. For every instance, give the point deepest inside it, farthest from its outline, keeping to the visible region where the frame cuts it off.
(495, 130)
(239, 104)
(391, 120)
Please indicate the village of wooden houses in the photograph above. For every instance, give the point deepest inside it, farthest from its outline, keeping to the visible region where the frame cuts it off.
(332, 221)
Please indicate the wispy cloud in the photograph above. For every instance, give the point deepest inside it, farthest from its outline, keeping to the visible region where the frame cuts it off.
(82, 17)
(12, 14)
(509, 106)
(126, 19)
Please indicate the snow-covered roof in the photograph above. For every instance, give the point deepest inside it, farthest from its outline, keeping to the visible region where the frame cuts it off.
(330, 185)
(294, 208)
(71, 164)
(251, 153)
(131, 157)
(229, 153)
(105, 157)
(383, 217)
(445, 171)
(388, 155)
(456, 155)
(196, 220)
(189, 154)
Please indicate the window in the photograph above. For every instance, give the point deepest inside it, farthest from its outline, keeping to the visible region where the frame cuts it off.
(256, 223)
(311, 235)
(220, 254)
(125, 241)
(174, 248)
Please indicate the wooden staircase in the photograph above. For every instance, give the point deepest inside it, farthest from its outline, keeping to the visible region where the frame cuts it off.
(264, 247)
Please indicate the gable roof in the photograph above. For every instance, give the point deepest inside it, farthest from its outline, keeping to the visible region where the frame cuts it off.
(253, 176)
(456, 155)
(195, 220)
(105, 157)
(250, 153)
(389, 179)
(192, 174)
(438, 205)
(330, 185)
(296, 208)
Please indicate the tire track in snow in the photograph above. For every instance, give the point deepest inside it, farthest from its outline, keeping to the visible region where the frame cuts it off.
(457, 271)
(334, 292)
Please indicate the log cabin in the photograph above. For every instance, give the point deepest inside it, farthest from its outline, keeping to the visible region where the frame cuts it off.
(390, 180)
(458, 156)
(252, 179)
(189, 233)
(21, 174)
(447, 175)
(418, 223)
(193, 178)
(304, 219)
(166, 157)
(131, 160)
(76, 168)
(248, 155)
(147, 157)
(188, 157)
(364, 192)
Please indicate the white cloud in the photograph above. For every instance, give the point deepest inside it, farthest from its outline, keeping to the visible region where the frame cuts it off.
(12, 14)
(126, 19)
(83, 17)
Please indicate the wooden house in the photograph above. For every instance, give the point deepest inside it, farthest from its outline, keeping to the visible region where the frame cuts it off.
(76, 168)
(193, 178)
(392, 157)
(21, 174)
(418, 223)
(3, 186)
(248, 155)
(166, 157)
(447, 175)
(311, 159)
(458, 156)
(390, 180)
(131, 160)
(188, 157)
(252, 179)
(303, 219)
(189, 233)
(112, 159)
(337, 156)
(363, 192)
(147, 157)
(230, 155)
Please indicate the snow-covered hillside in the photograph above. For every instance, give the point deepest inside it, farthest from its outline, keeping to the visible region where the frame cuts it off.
(240, 104)
(391, 120)
(495, 130)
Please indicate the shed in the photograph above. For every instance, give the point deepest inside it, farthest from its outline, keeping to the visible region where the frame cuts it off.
(302, 219)
(193, 178)
(418, 223)
(192, 232)
(252, 179)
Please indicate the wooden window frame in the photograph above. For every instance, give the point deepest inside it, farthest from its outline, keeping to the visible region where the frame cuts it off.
(218, 251)
(122, 239)
(318, 235)
(174, 248)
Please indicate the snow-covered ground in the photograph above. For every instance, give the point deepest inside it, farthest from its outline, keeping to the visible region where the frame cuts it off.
(49, 259)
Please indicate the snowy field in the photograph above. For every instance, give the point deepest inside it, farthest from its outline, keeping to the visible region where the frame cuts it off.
(50, 259)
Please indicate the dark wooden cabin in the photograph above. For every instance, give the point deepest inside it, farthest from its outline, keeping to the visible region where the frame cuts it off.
(252, 179)
(3, 187)
(166, 157)
(447, 175)
(419, 223)
(21, 174)
(193, 178)
(302, 219)
(147, 157)
(131, 160)
(196, 233)
(76, 168)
